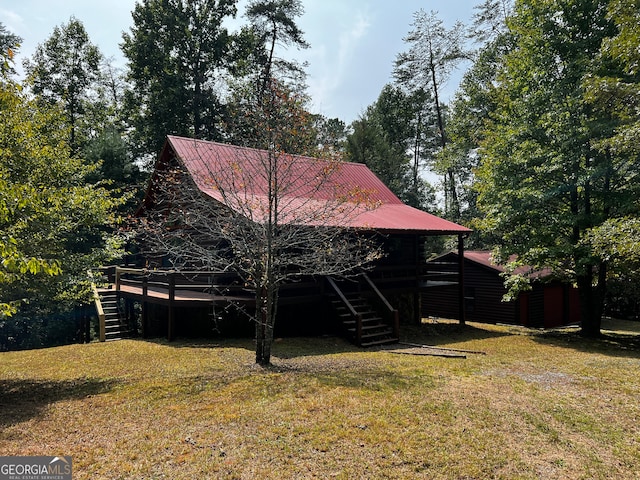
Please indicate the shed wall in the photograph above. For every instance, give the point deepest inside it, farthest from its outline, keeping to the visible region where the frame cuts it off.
(484, 290)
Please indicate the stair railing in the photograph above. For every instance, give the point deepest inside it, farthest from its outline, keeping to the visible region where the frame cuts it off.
(355, 315)
(392, 313)
(100, 310)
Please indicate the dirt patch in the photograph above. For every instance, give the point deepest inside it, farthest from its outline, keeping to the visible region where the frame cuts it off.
(546, 380)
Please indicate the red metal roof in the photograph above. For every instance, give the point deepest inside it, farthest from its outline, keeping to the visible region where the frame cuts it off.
(311, 191)
(485, 258)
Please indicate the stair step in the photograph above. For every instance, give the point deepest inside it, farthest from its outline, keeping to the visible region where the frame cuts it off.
(371, 331)
(374, 330)
(368, 321)
(370, 334)
(113, 327)
(379, 342)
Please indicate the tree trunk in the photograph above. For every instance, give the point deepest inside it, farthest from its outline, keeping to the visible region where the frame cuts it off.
(592, 301)
(265, 317)
(260, 320)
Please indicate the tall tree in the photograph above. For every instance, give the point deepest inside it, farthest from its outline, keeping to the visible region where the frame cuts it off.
(433, 53)
(273, 23)
(331, 136)
(472, 105)
(266, 73)
(53, 225)
(614, 88)
(490, 20)
(63, 70)
(243, 126)
(108, 147)
(176, 51)
(391, 138)
(613, 91)
(366, 143)
(542, 184)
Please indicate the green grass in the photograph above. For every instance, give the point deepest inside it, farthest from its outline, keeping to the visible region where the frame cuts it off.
(536, 405)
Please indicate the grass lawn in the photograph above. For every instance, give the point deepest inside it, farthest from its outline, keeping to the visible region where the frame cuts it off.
(534, 405)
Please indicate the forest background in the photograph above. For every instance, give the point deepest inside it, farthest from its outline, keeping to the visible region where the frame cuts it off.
(537, 151)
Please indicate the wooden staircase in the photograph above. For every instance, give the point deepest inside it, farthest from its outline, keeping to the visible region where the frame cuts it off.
(364, 324)
(114, 327)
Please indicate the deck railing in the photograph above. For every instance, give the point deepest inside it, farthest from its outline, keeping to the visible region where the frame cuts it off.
(100, 311)
(172, 282)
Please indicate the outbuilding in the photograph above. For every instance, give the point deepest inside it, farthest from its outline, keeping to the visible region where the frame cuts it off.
(550, 302)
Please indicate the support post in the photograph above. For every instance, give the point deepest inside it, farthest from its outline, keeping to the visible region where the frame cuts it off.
(172, 296)
(417, 303)
(145, 304)
(461, 305)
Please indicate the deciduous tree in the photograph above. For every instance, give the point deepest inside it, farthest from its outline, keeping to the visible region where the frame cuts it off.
(613, 92)
(391, 138)
(53, 225)
(177, 51)
(63, 70)
(543, 183)
(472, 106)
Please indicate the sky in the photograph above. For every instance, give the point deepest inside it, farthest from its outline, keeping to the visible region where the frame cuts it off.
(353, 43)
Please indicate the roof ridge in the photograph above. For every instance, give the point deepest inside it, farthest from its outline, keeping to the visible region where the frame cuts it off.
(254, 149)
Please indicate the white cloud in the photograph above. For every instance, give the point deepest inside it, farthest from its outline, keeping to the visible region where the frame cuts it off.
(11, 20)
(331, 60)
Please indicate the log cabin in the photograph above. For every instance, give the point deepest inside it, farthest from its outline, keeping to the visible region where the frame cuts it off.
(368, 310)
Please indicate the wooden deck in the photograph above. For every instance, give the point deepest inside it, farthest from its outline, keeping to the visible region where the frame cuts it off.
(161, 295)
(176, 288)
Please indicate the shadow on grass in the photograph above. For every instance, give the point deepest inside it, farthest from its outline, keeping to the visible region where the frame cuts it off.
(283, 347)
(326, 359)
(447, 333)
(21, 400)
(193, 342)
(286, 348)
(611, 344)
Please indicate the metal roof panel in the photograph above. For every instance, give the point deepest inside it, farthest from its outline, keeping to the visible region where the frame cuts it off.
(311, 191)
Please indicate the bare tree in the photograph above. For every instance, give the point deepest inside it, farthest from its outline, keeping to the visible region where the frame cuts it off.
(265, 215)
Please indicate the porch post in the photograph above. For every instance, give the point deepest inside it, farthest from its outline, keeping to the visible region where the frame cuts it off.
(172, 296)
(461, 311)
(417, 303)
(145, 304)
